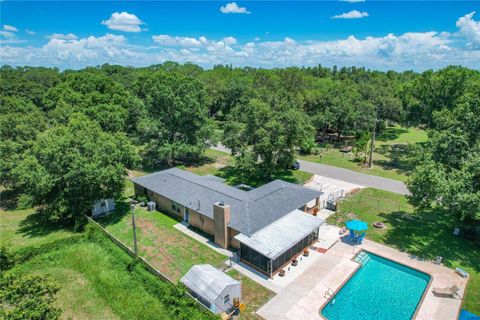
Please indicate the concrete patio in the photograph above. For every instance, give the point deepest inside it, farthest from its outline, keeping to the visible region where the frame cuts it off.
(304, 297)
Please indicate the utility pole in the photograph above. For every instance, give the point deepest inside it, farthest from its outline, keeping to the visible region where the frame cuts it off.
(132, 206)
(372, 144)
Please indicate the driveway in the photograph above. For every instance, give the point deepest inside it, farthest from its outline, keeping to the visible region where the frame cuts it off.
(354, 177)
(345, 175)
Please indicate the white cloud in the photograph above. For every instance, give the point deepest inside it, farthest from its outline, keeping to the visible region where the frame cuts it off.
(61, 36)
(229, 40)
(353, 1)
(9, 28)
(167, 40)
(232, 7)
(7, 34)
(124, 21)
(470, 29)
(30, 32)
(411, 50)
(354, 14)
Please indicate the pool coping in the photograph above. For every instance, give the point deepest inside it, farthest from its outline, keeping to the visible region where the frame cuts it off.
(420, 302)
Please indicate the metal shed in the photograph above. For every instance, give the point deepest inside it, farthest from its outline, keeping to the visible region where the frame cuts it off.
(103, 206)
(212, 287)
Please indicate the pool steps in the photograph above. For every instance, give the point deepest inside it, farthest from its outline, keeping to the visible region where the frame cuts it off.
(362, 258)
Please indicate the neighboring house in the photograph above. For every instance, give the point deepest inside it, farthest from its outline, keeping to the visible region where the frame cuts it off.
(268, 224)
(212, 287)
(102, 207)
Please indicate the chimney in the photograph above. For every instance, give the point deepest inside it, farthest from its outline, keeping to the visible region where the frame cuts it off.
(221, 216)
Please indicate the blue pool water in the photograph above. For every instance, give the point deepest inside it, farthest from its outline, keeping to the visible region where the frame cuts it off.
(380, 290)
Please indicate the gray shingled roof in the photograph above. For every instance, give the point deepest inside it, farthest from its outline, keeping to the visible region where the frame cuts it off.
(250, 210)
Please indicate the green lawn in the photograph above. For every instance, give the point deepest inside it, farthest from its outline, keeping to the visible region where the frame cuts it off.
(390, 156)
(423, 234)
(22, 228)
(168, 249)
(219, 163)
(92, 273)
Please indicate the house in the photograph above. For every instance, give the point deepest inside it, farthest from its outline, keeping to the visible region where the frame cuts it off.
(102, 207)
(212, 287)
(269, 224)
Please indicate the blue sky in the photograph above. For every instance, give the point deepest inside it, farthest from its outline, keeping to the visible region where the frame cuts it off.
(399, 35)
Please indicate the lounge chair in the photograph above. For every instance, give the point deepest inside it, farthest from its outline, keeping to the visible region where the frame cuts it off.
(450, 292)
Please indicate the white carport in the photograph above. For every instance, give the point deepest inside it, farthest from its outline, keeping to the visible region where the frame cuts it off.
(212, 287)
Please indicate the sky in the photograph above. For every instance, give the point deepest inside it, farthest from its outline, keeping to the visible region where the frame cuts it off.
(381, 35)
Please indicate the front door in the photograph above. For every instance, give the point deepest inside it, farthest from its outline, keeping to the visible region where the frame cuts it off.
(185, 214)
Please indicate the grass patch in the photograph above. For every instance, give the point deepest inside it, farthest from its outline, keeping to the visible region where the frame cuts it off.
(168, 249)
(23, 228)
(97, 280)
(390, 157)
(254, 295)
(423, 234)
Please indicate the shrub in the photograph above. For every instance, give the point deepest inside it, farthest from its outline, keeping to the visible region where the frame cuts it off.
(27, 297)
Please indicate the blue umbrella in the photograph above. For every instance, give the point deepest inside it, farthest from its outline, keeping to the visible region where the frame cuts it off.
(357, 225)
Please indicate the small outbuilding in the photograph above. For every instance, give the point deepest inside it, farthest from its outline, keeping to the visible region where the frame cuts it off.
(212, 287)
(102, 207)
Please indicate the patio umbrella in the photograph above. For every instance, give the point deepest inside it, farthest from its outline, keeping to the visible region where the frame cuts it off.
(357, 225)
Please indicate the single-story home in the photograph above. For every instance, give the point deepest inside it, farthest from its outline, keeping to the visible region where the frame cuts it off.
(212, 287)
(269, 224)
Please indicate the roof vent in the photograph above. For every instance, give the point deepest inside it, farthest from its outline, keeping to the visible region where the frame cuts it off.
(221, 203)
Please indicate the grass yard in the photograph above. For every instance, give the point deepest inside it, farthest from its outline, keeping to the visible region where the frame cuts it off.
(22, 228)
(253, 295)
(390, 157)
(219, 163)
(423, 234)
(168, 249)
(97, 280)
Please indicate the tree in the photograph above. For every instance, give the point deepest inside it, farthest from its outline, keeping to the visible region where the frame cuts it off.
(28, 297)
(72, 166)
(20, 122)
(447, 174)
(177, 127)
(97, 96)
(266, 135)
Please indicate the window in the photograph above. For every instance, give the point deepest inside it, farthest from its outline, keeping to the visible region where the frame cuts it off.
(175, 207)
(226, 299)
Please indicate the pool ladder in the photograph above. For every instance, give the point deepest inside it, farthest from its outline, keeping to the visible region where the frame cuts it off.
(328, 293)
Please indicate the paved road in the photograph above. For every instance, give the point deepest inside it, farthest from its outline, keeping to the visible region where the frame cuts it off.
(354, 177)
(346, 175)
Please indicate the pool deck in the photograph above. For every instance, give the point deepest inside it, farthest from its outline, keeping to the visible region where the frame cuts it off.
(305, 296)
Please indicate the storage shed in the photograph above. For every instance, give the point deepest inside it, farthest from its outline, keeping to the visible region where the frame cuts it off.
(102, 207)
(212, 287)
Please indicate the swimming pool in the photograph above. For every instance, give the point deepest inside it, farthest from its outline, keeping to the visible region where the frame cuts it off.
(379, 289)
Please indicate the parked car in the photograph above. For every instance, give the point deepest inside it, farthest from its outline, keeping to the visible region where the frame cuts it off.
(295, 166)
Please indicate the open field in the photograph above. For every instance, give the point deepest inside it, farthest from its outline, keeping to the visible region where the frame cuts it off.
(390, 157)
(426, 235)
(97, 279)
(219, 163)
(168, 249)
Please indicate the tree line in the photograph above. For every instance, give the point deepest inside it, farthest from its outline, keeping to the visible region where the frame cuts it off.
(67, 136)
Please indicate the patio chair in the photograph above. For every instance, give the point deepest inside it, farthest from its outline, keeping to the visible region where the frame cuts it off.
(450, 292)
(359, 239)
(352, 235)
